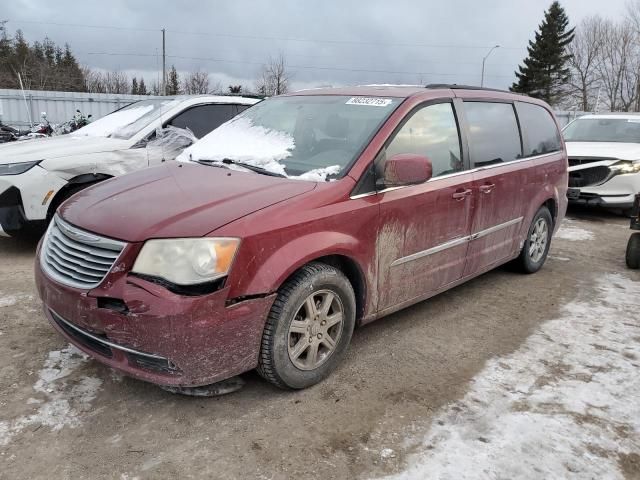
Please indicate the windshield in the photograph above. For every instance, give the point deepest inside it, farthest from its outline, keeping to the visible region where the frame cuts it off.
(314, 137)
(625, 130)
(127, 121)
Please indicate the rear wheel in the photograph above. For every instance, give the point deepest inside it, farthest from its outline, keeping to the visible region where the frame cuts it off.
(308, 328)
(536, 246)
(633, 251)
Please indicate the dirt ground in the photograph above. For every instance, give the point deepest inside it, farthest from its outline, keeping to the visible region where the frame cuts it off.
(64, 416)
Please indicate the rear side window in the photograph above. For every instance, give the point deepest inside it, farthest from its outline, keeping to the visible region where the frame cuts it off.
(539, 129)
(494, 136)
(204, 118)
(432, 131)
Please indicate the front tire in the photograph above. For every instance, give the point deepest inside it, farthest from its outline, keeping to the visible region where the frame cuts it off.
(309, 327)
(536, 246)
(633, 251)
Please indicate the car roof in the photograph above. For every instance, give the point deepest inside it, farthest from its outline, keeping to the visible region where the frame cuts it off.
(234, 99)
(406, 91)
(620, 115)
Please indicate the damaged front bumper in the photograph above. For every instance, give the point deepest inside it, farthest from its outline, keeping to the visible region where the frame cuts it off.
(25, 199)
(149, 333)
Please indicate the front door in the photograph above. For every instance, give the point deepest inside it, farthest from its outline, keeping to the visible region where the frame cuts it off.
(499, 183)
(424, 229)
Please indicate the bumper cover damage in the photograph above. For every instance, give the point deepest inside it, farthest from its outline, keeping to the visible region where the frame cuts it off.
(162, 337)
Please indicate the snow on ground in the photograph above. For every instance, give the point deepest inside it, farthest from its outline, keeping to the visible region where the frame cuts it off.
(65, 399)
(567, 231)
(566, 404)
(10, 300)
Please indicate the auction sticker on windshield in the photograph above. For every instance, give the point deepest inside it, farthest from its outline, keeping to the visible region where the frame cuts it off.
(369, 101)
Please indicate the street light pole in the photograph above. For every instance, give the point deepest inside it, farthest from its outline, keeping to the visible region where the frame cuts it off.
(484, 60)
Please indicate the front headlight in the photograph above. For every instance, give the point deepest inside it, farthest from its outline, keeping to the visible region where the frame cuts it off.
(17, 168)
(623, 167)
(187, 261)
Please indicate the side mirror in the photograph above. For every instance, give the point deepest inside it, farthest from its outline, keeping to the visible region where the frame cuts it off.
(407, 169)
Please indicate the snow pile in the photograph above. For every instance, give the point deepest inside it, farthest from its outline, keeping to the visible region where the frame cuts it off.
(573, 233)
(113, 122)
(564, 405)
(319, 174)
(10, 300)
(242, 141)
(65, 400)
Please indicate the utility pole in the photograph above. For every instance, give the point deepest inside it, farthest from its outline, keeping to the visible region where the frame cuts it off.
(164, 67)
(597, 105)
(484, 60)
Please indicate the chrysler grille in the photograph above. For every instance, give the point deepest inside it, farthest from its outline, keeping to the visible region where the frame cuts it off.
(77, 258)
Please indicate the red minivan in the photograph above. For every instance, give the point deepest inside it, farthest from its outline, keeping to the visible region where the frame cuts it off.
(276, 234)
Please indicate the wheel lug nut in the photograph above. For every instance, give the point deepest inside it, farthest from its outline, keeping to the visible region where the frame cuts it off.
(323, 323)
(319, 335)
(310, 339)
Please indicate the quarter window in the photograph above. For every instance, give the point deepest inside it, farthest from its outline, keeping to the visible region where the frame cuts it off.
(433, 132)
(494, 136)
(541, 132)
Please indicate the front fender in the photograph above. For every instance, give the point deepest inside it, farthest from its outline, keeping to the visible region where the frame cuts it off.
(273, 270)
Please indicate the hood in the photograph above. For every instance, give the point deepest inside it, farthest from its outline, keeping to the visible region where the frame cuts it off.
(175, 200)
(611, 150)
(57, 147)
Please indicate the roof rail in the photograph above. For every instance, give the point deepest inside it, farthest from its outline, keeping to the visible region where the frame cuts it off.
(455, 86)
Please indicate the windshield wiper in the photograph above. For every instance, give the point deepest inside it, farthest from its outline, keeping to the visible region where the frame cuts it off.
(248, 166)
(210, 163)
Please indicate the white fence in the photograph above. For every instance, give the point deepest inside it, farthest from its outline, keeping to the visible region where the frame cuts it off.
(19, 110)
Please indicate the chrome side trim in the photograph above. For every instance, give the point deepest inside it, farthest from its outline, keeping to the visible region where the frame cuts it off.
(456, 242)
(102, 340)
(438, 248)
(455, 174)
(495, 228)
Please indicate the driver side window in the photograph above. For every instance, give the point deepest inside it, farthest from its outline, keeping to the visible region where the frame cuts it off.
(432, 131)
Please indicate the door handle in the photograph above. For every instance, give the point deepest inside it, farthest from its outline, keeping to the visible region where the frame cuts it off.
(461, 194)
(486, 188)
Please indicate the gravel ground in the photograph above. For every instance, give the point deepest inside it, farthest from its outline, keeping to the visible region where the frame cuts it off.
(506, 376)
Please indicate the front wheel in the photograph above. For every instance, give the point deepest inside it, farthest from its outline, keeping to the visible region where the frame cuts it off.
(308, 328)
(633, 251)
(536, 246)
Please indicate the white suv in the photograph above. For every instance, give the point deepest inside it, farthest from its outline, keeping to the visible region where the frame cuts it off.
(38, 175)
(604, 160)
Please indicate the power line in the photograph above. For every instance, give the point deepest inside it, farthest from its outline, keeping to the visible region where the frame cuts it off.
(265, 37)
(79, 25)
(305, 67)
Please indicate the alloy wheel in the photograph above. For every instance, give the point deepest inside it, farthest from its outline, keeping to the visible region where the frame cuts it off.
(315, 330)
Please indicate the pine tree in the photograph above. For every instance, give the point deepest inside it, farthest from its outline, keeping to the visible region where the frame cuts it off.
(134, 86)
(545, 70)
(173, 82)
(142, 88)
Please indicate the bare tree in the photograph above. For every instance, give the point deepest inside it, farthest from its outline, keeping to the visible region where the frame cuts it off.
(619, 68)
(586, 53)
(273, 78)
(116, 82)
(93, 80)
(196, 83)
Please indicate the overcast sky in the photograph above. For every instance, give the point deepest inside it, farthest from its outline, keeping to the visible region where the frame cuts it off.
(324, 42)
